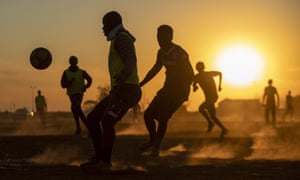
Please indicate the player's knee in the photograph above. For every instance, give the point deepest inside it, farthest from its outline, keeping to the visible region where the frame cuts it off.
(201, 109)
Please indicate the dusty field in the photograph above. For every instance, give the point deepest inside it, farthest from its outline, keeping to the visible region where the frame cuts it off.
(250, 151)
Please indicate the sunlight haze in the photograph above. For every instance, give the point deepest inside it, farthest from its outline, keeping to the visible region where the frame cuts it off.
(204, 28)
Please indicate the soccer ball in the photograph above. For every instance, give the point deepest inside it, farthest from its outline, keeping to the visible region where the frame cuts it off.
(40, 58)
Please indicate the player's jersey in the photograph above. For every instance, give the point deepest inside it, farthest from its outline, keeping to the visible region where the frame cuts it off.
(270, 93)
(178, 68)
(208, 85)
(77, 87)
(40, 102)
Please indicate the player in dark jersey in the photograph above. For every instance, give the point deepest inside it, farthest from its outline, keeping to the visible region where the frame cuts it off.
(208, 85)
(269, 101)
(176, 88)
(76, 81)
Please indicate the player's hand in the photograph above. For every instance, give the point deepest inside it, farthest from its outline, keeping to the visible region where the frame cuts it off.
(220, 88)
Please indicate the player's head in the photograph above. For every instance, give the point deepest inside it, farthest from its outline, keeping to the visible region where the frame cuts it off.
(200, 66)
(270, 81)
(110, 20)
(39, 92)
(73, 60)
(164, 35)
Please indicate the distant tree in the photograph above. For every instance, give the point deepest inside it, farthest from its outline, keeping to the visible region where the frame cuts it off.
(88, 105)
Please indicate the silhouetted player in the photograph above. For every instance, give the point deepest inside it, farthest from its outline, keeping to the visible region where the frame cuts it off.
(269, 101)
(176, 88)
(125, 91)
(206, 81)
(289, 108)
(41, 107)
(76, 81)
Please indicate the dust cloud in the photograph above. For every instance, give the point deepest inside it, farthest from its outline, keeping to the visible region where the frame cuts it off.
(57, 155)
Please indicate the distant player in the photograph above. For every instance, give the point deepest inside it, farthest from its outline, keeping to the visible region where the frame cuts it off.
(76, 81)
(178, 78)
(208, 85)
(270, 102)
(289, 107)
(41, 107)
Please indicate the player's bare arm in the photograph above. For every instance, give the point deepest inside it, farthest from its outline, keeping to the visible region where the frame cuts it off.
(153, 71)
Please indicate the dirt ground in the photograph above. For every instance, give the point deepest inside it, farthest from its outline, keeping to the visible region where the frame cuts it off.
(251, 150)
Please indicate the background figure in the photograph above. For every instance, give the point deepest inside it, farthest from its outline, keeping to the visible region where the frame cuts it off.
(270, 102)
(125, 91)
(176, 88)
(208, 85)
(73, 79)
(41, 107)
(289, 107)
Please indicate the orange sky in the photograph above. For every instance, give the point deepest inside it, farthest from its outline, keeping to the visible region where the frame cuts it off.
(202, 27)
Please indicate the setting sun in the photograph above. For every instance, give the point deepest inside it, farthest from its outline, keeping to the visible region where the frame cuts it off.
(241, 65)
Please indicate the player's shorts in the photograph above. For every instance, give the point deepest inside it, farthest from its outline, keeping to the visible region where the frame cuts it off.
(76, 100)
(164, 105)
(117, 103)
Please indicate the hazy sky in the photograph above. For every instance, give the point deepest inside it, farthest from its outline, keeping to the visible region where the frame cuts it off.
(202, 27)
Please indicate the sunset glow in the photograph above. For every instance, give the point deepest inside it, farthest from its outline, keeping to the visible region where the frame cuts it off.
(241, 65)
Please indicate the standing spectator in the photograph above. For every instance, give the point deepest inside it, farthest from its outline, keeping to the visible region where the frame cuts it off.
(270, 102)
(41, 107)
(289, 107)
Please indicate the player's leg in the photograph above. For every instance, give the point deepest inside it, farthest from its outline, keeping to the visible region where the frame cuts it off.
(75, 102)
(267, 114)
(273, 113)
(203, 110)
(150, 114)
(95, 130)
(43, 117)
(124, 98)
(78, 109)
(212, 112)
(167, 109)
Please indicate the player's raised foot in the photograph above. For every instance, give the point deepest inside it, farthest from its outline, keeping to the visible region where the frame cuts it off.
(145, 146)
(210, 127)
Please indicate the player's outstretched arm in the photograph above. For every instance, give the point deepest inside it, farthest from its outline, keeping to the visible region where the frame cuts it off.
(220, 80)
(153, 71)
